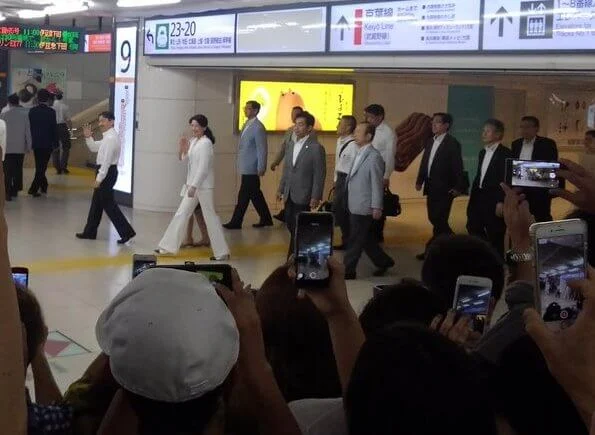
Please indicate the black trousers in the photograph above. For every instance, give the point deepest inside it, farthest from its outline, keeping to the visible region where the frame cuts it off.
(363, 237)
(291, 212)
(103, 200)
(13, 174)
(482, 222)
(250, 191)
(42, 158)
(439, 205)
(340, 207)
(62, 153)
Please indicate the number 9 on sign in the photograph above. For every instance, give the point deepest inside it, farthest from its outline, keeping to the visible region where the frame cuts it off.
(125, 56)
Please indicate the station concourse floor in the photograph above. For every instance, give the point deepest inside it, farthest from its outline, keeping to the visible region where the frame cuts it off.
(75, 279)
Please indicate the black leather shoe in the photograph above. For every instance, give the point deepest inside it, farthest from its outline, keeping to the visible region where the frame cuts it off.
(350, 276)
(65, 171)
(421, 257)
(126, 239)
(84, 236)
(262, 224)
(280, 216)
(382, 270)
(44, 190)
(231, 226)
(35, 194)
(59, 172)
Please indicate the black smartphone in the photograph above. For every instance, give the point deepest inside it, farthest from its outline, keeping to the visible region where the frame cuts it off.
(531, 173)
(313, 246)
(219, 273)
(20, 275)
(140, 263)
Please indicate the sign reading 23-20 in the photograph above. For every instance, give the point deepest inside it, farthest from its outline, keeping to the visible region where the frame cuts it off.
(190, 35)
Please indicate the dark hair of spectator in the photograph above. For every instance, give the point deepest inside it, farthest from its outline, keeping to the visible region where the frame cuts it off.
(13, 99)
(351, 121)
(375, 109)
(43, 96)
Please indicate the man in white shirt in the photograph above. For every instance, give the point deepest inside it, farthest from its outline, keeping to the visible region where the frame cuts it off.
(385, 141)
(440, 175)
(62, 153)
(484, 212)
(108, 154)
(344, 157)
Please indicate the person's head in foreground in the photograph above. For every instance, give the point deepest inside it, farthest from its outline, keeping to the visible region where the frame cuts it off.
(449, 257)
(410, 380)
(172, 344)
(297, 340)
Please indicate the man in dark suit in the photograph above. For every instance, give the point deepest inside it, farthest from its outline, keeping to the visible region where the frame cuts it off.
(533, 147)
(304, 171)
(485, 209)
(441, 175)
(44, 135)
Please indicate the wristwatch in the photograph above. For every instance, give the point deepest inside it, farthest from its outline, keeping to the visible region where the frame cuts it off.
(513, 257)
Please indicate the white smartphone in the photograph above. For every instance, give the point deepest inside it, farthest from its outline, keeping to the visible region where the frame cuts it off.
(560, 250)
(472, 298)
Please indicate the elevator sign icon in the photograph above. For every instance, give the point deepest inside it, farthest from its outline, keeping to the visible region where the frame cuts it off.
(537, 20)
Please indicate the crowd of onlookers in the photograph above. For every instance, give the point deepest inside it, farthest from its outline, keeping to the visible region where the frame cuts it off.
(181, 357)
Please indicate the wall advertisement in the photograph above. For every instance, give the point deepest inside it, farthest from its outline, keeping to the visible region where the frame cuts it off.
(124, 101)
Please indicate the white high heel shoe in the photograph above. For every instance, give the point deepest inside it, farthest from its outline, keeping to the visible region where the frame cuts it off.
(221, 258)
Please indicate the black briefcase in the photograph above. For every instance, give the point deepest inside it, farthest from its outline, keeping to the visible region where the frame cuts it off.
(392, 205)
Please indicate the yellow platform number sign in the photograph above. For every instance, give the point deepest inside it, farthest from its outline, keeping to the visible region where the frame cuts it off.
(326, 101)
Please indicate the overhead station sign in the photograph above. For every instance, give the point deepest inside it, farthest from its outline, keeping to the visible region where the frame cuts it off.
(190, 35)
(282, 31)
(41, 38)
(409, 25)
(539, 25)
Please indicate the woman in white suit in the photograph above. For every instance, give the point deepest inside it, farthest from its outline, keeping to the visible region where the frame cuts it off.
(200, 183)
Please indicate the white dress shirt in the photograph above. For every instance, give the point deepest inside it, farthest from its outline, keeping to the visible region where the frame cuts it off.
(108, 152)
(344, 160)
(385, 141)
(61, 112)
(490, 149)
(297, 147)
(527, 149)
(358, 157)
(437, 142)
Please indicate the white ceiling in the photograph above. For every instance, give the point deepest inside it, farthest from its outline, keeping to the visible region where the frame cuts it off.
(108, 9)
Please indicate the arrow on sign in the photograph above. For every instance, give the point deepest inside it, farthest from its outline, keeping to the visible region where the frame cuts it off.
(150, 37)
(343, 23)
(501, 15)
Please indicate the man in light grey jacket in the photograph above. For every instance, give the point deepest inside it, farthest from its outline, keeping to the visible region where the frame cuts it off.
(304, 171)
(18, 143)
(252, 164)
(365, 202)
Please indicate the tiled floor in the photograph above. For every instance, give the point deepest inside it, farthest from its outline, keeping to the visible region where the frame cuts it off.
(74, 280)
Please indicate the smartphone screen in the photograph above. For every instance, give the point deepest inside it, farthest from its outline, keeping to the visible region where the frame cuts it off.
(140, 263)
(21, 279)
(215, 273)
(314, 244)
(560, 259)
(527, 173)
(473, 300)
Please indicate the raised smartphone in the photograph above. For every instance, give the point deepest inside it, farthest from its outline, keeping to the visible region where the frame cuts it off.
(531, 173)
(20, 275)
(219, 273)
(560, 249)
(472, 298)
(140, 263)
(313, 246)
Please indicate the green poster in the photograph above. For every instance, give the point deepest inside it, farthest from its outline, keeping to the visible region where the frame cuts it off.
(470, 106)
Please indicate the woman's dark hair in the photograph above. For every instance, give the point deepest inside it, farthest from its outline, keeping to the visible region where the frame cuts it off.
(185, 418)
(297, 340)
(32, 318)
(204, 123)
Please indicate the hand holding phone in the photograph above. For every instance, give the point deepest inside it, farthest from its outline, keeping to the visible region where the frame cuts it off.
(472, 298)
(20, 275)
(314, 245)
(560, 257)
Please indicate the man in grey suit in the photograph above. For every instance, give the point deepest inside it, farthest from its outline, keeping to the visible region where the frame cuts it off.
(18, 143)
(252, 164)
(365, 202)
(304, 172)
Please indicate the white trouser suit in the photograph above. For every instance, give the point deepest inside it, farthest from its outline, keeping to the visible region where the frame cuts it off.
(200, 175)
